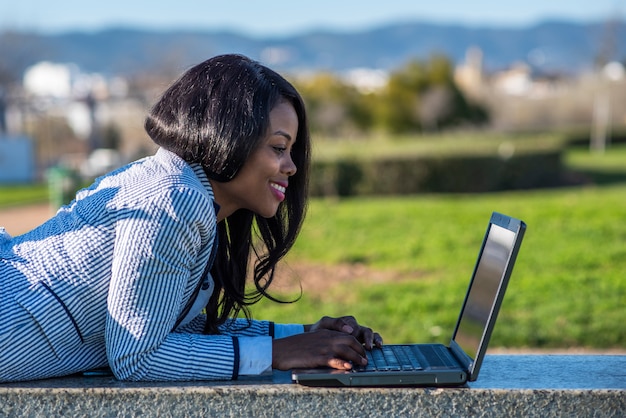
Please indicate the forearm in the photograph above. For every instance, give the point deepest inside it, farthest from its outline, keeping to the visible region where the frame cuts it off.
(179, 357)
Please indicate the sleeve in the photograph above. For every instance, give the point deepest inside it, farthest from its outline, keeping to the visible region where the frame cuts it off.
(243, 327)
(255, 355)
(263, 328)
(287, 330)
(255, 349)
(195, 326)
(256, 352)
(158, 256)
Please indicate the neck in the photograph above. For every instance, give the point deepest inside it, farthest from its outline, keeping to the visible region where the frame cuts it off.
(218, 193)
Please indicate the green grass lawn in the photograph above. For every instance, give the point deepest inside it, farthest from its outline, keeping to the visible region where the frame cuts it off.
(14, 195)
(429, 145)
(568, 288)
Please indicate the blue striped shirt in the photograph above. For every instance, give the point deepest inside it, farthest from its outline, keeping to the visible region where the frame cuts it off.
(104, 281)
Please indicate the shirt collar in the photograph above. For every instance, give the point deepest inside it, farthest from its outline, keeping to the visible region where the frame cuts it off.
(167, 155)
(201, 174)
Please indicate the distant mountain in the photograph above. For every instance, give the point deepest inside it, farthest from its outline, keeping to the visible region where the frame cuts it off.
(553, 46)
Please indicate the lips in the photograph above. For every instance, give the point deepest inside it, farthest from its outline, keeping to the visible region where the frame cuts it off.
(279, 190)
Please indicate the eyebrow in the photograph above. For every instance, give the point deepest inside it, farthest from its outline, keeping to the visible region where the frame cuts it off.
(283, 133)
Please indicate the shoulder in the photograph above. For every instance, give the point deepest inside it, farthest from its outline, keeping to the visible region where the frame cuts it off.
(163, 174)
(162, 185)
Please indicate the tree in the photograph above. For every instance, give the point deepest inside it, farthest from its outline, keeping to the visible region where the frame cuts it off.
(422, 96)
(334, 107)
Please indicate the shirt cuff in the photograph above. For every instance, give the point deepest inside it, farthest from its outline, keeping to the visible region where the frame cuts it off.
(255, 355)
(287, 330)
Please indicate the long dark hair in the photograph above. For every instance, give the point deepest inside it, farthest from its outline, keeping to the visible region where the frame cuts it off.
(216, 114)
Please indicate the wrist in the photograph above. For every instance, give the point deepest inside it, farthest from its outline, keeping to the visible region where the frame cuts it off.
(276, 352)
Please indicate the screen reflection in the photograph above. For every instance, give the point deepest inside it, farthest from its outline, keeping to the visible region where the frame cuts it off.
(484, 289)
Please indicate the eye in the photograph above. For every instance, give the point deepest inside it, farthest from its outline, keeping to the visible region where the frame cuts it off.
(279, 149)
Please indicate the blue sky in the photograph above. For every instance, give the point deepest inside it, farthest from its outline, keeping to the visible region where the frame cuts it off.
(279, 17)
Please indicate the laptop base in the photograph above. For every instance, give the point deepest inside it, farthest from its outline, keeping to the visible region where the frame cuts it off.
(335, 378)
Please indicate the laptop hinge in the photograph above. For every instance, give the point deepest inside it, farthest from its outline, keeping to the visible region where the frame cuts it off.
(466, 361)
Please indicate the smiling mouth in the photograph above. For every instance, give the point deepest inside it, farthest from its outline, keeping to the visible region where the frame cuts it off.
(278, 187)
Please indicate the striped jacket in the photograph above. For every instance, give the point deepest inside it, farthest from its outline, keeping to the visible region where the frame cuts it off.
(104, 281)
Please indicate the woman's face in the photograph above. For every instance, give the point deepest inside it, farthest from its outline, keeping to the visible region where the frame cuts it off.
(261, 182)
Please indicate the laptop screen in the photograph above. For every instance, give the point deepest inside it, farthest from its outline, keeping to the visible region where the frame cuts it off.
(481, 299)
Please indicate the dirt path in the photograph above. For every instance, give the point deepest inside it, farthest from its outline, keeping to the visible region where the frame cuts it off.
(17, 220)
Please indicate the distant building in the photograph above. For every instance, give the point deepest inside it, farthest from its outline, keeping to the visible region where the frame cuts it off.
(48, 79)
(515, 81)
(64, 90)
(17, 160)
(469, 75)
(3, 111)
(366, 80)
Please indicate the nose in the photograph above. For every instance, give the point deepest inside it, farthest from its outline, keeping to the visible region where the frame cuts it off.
(289, 167)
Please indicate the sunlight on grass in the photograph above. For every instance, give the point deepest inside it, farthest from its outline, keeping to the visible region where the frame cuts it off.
(462, 144)
(567, 289)
(13, 195)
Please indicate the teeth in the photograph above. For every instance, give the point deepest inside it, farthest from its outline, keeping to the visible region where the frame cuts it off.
(279, 187)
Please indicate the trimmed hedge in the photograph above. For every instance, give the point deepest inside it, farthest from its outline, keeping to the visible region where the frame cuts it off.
(433, 174)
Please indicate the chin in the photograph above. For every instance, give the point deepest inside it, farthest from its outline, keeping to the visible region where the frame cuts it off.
(267, 213)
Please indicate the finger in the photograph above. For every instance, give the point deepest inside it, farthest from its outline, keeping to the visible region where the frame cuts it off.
(348, 324)
(343, 347)
(366, 336)
(370, 338)
(349, 349)
(345, 324)
(378, 340)
(327, 322)
(337, 363)
(346, 360)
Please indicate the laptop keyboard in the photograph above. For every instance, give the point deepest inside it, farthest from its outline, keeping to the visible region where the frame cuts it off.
(407, 358)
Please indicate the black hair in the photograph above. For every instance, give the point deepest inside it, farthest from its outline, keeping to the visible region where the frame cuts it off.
(216, 114)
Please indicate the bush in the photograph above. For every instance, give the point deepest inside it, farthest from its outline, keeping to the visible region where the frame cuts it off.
(400, 175)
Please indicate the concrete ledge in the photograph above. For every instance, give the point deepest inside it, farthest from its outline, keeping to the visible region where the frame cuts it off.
(508, 385)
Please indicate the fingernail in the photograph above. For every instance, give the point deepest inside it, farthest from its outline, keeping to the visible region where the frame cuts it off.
(347, 329)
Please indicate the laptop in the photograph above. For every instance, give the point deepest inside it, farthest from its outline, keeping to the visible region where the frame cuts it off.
(439, 365)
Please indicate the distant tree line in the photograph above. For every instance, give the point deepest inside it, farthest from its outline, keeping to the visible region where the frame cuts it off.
(419, 97)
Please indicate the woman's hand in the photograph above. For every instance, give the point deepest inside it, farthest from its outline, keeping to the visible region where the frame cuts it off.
(331, 342)
(348, 325)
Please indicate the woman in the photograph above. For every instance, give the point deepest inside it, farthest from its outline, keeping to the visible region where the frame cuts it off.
(145, 270)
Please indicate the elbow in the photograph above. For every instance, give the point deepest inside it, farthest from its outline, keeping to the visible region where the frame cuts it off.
(127, 371)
